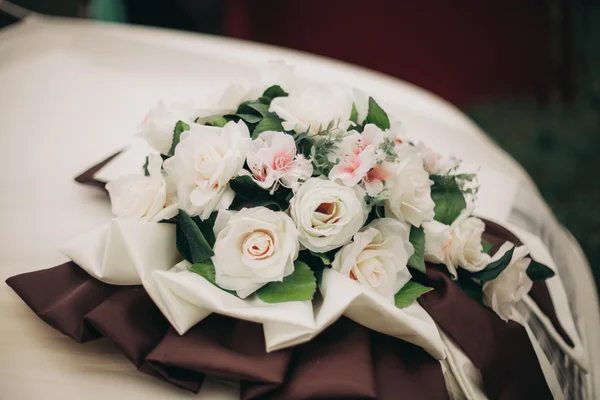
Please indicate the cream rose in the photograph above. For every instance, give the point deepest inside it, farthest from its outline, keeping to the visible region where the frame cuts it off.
(327, 214)
(456, 245)
(205, 160)
(314, 106)
(437, 239)
(511, 285)
(464, 249)
(254, 246)
(409, 191)
(148, 198)
(377, 257)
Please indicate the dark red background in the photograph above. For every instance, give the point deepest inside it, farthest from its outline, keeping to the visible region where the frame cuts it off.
(462, 50)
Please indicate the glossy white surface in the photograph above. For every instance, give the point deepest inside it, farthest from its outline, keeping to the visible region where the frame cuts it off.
(72, 92)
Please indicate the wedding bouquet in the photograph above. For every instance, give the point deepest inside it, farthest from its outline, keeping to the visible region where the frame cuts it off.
(311, 220)
(284, 191)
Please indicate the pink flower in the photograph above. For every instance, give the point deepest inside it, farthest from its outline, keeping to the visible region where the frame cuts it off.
(272, 160)
(375, 178)
(358, 160)
(355, 157)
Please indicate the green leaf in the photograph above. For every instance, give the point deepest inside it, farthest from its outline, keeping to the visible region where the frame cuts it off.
(180, 127)
(354, 114)
(206, 227)
(409, 293)
(250, 118)
(206, 269)
(253, 107)
(246, 188)
(270, 123)
(538, 271)
(449, 200)
(324, 257)
(487, 246)
(219, 121)
(249, 194)
(470, 287)
(417, 239)
(314, 262)
(495, 268)
(377, 116)
(275, 91)
(299, 286)
(190, 241)
(146, 172)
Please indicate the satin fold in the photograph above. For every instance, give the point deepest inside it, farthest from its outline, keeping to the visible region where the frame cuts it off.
(346, 361)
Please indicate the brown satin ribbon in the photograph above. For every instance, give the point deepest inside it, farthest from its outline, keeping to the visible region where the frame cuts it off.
(501, 351)
(87, 177)
(347, 361)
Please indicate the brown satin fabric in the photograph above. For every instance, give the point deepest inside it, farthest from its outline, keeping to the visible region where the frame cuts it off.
(347, 361)
(87, 177)
(497, 235)
(500, 350)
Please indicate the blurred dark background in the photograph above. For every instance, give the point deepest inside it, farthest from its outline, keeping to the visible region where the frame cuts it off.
(527, 71)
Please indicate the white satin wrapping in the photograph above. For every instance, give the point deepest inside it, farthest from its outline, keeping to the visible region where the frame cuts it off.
(132, 252)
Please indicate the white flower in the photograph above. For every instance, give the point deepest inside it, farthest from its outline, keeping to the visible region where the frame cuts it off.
(437, 240)
(511, 285)
(254, 246)
(227, 99)
(272, 159)
(433, 162)
(147, 198)
(464, 249)
(409, 190)
(457, 245)
(374, 180)
(205, 160)
(159, 124)
(314, 106)
(377, 257)
(327, 214)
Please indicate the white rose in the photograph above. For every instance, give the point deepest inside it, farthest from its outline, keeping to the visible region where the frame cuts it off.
(377, 257)
(205, 160)
(437, 239)
(159, 124)
(457, 245)
(465, 249)
(327, 214)
(273, 160)
(314, 106)
(409, 191)
(147, 198)
(254, 246)
(511, 285)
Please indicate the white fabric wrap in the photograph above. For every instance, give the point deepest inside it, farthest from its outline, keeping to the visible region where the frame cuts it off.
(132, 252)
